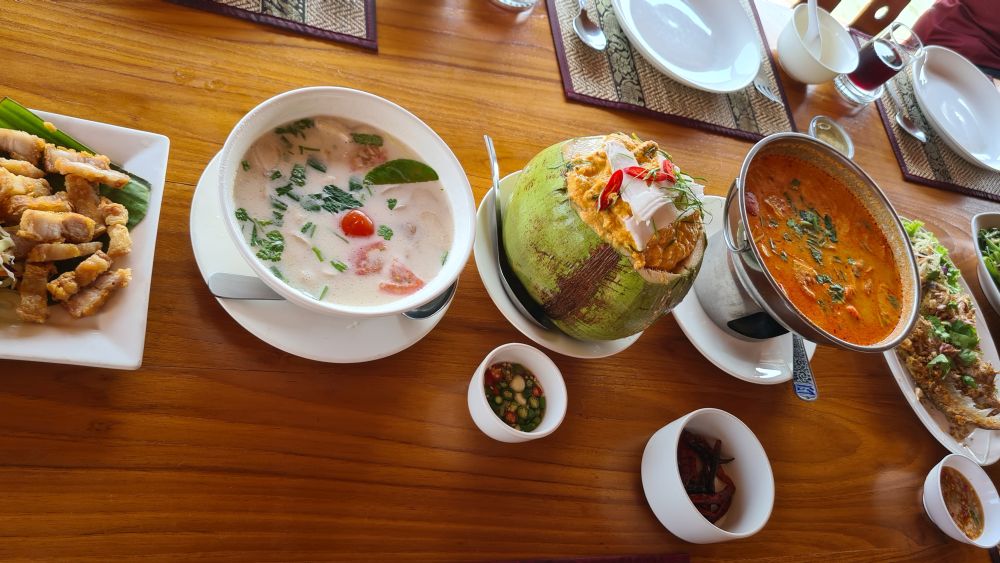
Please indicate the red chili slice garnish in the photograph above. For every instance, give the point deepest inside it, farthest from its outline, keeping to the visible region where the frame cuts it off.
(612, 188)
(404, 281)
(648, 175)
(668, 170)
(366, 261)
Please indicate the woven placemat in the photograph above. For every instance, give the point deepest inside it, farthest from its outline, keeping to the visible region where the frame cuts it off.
(932, 163)
(347, 21)
(621, 78)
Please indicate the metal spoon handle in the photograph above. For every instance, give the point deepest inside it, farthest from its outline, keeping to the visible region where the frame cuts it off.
(802, 375)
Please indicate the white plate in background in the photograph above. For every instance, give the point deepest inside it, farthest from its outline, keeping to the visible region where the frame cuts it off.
(700, 43)
(961, 104)
(115, 336)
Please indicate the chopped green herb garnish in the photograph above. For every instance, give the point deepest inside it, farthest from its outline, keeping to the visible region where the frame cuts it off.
(341, 238)
(278, 204)
(271, 247)
(893, 301)
(391, 202)
(967, 357)
(795, 182)
(322, 294)
(315, 163)
(444, 257)
(241, 215)
(336, 200)
(296, 128)
(354, 184)
(823, 278)
(385, 232)
(309, 229)
(340, 266)
(245, 164)
(318, 253)
(303, 149)
(942, 361)
(367, 139)
(276, 174)
(298, 176)
(277, 273)
(836, 293)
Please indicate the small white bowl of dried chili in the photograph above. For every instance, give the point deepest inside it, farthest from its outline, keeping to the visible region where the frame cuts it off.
(517, 394)
(707, 478)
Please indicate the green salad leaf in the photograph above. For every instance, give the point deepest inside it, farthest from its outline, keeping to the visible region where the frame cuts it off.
(400, 171)
(134, 195)
(989, 244)
(932, 257)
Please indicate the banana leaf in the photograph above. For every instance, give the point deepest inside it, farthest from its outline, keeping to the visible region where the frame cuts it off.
(134, 195)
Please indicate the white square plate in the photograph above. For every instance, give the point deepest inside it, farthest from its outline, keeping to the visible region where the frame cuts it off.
(116, 335)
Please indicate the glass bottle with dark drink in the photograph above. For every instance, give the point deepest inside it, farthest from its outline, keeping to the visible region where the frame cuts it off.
(881, 58)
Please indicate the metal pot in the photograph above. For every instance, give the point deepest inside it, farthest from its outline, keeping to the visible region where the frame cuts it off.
(740, 295)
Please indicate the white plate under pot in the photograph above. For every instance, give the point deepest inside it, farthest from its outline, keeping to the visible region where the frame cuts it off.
(709, 45)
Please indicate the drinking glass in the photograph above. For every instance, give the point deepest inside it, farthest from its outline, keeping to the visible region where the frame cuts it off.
(881, 58)
(515, 5)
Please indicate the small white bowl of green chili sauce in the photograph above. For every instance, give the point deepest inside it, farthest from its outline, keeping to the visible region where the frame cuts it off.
(962, 501)
(517, 394)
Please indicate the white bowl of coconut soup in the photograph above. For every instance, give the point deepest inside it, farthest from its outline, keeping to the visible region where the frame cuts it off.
(345, 203)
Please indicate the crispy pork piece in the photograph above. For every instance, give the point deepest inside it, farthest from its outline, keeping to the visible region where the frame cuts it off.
(90, 299)
(21, 146)
(56, 251)
(110, 178)
(34, 306)
(84, 197)
(11, 184)
(53, 154)
(17, 205)
(22, 168)
(116, 218)
(22, 246)
(48, 226)
(69, 284)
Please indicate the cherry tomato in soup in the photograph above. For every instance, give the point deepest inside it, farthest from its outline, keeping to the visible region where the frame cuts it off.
(356, 224)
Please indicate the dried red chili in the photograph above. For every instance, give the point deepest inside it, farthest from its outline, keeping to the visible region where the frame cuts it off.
(700, 465)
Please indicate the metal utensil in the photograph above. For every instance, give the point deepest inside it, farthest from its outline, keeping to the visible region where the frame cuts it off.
(237, 286)
(588, 31)
(762, 86)
(516, 291)
(904, 121)
(802, 376)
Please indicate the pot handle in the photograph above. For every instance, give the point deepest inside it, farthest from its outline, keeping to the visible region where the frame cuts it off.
(727, 234)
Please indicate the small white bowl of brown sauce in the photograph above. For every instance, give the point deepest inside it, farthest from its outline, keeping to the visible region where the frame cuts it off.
(962, 501)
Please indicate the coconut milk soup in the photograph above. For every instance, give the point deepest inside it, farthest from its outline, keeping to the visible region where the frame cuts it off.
(342, 211)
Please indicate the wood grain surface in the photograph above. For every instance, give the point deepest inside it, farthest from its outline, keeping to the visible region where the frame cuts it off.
(223, 448)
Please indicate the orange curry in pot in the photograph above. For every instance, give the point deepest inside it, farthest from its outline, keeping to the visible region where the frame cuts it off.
(824, 249)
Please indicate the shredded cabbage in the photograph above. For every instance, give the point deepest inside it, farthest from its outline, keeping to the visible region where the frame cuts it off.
(932, 257)
(7, 279)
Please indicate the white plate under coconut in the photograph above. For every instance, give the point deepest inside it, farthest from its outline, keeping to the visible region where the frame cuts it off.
(486, 264)
(982, 446)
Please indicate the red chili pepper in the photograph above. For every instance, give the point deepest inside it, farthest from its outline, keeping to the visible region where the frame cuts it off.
(668, 170)
(612, 188)
(649, 175)
(536, 391)
(510, 417)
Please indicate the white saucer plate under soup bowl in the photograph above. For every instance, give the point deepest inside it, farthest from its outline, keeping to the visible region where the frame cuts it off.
(696, 42)
(486, 265)
(288, 327)
(114, 337)
(989, 287)
(982, 445)
(766, 362)
(961, 104)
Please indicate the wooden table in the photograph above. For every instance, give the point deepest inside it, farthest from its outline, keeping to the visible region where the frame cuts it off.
(223, 448)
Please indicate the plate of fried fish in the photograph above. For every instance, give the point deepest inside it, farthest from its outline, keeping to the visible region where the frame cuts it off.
(947, 366)
(79, 207)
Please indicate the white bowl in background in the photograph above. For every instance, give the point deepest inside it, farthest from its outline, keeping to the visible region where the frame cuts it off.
(839, 55)
(749, 470)
(372, 110)
(699, 43)
(986, 220)
(961, 104)
(548, 375)
(987, 492)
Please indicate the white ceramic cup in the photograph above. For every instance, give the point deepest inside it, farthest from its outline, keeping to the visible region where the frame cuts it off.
(839, 55)
(548, 376)
(749, 470)
(987, 492)
(370, 109)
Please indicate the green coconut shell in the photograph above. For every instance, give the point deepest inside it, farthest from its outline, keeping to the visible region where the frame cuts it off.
(588, 288)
